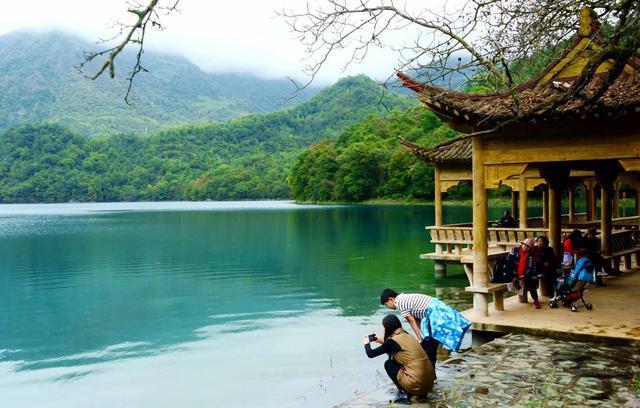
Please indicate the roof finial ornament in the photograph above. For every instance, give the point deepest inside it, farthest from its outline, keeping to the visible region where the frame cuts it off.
(589, 23)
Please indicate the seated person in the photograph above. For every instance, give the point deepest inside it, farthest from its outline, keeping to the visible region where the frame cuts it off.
(546, 263)
(568, 247)
(507, 221)
(524, 263)
(601, 267)
(571, 285)
(408, 365)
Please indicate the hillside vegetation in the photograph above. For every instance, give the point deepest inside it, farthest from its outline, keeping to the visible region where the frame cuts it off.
(245, 158)
(367, 161)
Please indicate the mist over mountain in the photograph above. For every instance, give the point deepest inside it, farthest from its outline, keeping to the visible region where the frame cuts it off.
(40, 83)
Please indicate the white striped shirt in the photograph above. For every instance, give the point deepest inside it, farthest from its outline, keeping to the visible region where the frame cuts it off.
(413, 304)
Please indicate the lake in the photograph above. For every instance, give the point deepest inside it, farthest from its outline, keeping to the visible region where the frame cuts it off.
(203, 304)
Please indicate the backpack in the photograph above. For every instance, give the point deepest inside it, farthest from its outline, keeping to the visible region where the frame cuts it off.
(504, 271)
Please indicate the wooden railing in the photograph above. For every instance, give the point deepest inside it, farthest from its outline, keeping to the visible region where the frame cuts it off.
(453, 239)
(620, 223)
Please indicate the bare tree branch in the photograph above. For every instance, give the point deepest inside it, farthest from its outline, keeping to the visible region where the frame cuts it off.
(493, 36)
(146, 16)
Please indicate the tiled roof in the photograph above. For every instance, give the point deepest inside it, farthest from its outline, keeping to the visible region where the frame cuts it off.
(532, 99)
(455, 151)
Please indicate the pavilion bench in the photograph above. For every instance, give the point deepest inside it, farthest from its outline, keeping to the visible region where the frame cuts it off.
(497, 289)
(623, 246)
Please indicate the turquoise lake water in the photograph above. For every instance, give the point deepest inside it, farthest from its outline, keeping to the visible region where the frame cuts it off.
(203, 304)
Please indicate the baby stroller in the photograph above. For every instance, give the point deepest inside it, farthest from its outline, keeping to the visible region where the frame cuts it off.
(571, 287)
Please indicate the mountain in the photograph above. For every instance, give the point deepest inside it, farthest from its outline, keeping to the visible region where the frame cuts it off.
(39, 83)
(245, 158)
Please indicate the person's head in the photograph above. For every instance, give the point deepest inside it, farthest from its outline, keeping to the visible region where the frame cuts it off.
(542, 241)
(506, 213)
(592, 232)
(575, 234)
(527, 244)
(388, 298)
(390, 323)
(581, 247)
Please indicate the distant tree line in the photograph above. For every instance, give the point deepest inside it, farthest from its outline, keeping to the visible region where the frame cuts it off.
(49, 163)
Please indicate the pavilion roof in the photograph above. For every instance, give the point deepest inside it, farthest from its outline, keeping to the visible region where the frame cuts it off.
(453, 151)
(474, 112)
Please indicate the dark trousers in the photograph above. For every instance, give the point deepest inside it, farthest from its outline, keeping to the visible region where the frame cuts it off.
(392, 367)
(531, 285)
(550, 279)
(430, 346)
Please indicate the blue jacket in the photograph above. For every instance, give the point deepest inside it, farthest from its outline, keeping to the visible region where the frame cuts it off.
(583, 271)
(444, 323)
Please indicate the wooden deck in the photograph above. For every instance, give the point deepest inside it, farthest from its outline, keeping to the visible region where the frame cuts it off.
(615, 317)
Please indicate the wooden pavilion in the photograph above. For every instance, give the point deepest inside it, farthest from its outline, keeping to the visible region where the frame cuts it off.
(564, 140)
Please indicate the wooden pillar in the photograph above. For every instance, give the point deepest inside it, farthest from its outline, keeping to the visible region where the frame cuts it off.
(637, 203)
(572, 204)
(437, 197)
(591, 199)
(556, 177)
(596, 193)
(545, 206)
(522, 211)
(605, 217)
(439, 267)
(555, 219)
(606, 177)
(616, 199)
(480, 230)
(514, 203)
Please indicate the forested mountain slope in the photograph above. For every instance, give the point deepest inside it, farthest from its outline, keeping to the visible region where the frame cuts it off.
(245, 158)
(39, 82)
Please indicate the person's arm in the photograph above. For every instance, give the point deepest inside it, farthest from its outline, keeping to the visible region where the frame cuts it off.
(414, 325)
(387, 347)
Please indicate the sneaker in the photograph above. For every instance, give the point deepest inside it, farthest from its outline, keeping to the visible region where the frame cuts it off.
(536, 304)
(602, 273)
(402, 398)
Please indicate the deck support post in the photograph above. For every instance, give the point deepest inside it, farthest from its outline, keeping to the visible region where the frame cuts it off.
(591, 199)
(545, 206)
(480, 229)
(522, 210)
(514, 203)
(440, 267)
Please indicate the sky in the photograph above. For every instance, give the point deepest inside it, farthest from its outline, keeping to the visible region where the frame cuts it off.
(217, 35)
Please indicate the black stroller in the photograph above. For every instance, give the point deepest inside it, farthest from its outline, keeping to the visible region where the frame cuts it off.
(569, 292)
(570, 287)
